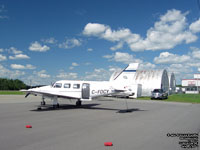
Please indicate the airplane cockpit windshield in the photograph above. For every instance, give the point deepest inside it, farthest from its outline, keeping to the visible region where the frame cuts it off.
(57, 85)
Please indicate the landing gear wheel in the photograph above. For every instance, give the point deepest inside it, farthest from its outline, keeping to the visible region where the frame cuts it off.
(43, 103)
(56, 106)
(78, 103)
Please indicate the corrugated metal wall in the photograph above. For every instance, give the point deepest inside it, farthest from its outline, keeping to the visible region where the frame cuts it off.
(172, 83)
(151, 79)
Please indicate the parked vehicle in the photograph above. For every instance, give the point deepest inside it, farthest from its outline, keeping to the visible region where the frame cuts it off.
(159, 94)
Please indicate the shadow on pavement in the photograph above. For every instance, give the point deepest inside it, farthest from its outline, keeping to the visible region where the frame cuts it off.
(84, 106)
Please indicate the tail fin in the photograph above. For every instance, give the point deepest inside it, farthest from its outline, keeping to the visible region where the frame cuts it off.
(127, 73)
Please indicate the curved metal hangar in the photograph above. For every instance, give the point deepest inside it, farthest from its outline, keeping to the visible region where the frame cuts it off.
(151, 79)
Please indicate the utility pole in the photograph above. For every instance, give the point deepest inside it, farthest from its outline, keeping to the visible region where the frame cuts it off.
(197, 77)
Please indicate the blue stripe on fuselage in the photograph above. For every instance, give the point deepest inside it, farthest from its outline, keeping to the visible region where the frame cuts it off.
(129, 71)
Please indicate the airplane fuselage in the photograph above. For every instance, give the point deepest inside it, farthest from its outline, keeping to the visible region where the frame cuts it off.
(83, 90)
(86, 90)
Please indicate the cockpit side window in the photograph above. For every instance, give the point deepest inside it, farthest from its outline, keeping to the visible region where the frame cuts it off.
(67, 85)
(76, 86)
(57, 85)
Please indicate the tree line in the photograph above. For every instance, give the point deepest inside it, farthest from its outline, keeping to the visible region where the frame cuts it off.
(10, 84)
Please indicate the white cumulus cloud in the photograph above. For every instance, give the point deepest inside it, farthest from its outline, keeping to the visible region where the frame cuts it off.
(89, 49)
(50, 40)
(14, 50)
(36, 46)
(2, 57)
(146, 66)
(19, 56)
(42, 74)
(122, 57)
(179, 68)
(19, 66)
(70, 43)
(195, 26)
(10, 73)
(118, 46)
(66, 75)
(195, 52)
(98, 74)
(169, 58)
(170, 30)
(74, 64)
(94, 29)
(184, 66)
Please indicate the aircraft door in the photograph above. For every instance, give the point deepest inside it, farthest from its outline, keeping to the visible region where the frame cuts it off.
(85, 91)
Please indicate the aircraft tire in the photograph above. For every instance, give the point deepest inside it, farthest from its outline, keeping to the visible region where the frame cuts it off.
(43, 103)
(78, 103)
(56, 106)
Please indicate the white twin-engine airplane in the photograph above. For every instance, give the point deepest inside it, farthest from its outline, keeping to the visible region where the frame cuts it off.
(85, 90)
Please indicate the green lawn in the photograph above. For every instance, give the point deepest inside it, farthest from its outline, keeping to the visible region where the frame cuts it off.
(187, 98)
(11, 93)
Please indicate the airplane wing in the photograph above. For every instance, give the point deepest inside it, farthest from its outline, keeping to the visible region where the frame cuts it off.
(47, 94)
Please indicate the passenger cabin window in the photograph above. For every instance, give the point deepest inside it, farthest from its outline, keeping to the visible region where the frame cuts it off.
(76, 86)
(58, 85)
(67, 85)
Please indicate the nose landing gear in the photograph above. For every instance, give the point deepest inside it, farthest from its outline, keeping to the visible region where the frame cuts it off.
(55, 103)
(78, 103)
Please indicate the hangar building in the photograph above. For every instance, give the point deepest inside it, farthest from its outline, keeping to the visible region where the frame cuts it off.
(192, 86)
(151, 79)
(146, 80)
(172, 83)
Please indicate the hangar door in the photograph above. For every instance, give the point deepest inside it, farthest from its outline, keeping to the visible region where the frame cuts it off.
(85, 91)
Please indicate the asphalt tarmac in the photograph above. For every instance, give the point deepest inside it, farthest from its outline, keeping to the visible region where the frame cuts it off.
(148, 125)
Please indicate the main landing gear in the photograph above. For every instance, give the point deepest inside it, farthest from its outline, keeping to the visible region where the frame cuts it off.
(43, 103)
(55, 103)
(78, 102)
(56, 106)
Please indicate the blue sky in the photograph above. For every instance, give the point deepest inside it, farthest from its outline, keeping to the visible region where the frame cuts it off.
(45, 41)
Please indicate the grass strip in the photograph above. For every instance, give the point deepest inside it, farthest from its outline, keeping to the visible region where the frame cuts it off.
(11, 93)
(186, 98)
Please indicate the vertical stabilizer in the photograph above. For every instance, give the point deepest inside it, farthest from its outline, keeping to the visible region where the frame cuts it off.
(126, 74)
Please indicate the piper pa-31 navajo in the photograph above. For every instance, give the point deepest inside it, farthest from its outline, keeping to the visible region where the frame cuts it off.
(85, 90)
